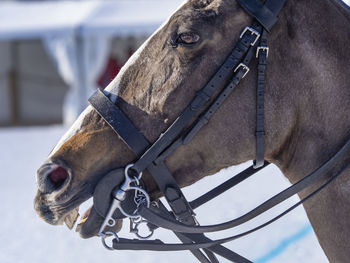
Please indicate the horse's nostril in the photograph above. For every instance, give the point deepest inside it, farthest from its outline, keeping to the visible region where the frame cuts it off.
(51, 177)
(58, 176)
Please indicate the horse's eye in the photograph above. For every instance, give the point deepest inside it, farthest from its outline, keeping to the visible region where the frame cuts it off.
(185, 39)
(188, 38)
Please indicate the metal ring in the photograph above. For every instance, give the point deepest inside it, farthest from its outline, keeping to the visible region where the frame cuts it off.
(127, 169)
(104, 235)
(137, 232)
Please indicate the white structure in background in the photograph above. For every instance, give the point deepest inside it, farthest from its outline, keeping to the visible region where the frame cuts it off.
(77, 35)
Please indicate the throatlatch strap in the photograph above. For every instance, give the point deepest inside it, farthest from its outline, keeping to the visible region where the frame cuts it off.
(261, 53)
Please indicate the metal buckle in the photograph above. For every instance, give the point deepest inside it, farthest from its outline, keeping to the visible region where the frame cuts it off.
(262, 48)
(245, 67)
(253, 32)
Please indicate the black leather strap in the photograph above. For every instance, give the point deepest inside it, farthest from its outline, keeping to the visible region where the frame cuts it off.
(121, 124)
(275, 5)
(218, 249)
(172, 192)
(225, 186)
(262, 53)
(266, 13)
(242, 69)
(199, 238)
(196, 252)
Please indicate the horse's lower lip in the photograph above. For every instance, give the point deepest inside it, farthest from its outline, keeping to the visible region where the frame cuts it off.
(90, 224)
(90, 230)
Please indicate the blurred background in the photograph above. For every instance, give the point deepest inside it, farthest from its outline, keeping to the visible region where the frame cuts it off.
(53, 55)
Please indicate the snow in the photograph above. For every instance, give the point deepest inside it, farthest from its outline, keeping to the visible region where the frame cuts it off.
(25, 238)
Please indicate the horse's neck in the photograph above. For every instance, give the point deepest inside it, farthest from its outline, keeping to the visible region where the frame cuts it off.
(312, 38)
(315, 60)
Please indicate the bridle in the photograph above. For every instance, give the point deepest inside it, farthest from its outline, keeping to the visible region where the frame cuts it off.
(120, 193)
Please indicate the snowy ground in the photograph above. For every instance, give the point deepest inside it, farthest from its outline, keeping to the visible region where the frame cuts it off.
(25, 238)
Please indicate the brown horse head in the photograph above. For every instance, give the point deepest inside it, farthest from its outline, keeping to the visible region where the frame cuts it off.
(163, 76)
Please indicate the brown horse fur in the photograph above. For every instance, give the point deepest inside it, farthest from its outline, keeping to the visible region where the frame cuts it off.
(307, 109)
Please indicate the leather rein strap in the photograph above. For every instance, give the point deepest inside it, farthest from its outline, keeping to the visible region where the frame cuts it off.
(181, 220)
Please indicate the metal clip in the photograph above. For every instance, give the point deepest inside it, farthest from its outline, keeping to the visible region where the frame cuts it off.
(245, 67)
(253, 32)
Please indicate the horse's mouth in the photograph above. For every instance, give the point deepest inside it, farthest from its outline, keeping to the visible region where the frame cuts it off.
(59, 197)
(70, 215)
(88, 228)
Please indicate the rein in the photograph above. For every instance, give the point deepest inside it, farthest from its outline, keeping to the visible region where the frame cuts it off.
(120, 193)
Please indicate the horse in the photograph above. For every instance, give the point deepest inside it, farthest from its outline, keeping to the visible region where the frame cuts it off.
(306, 107)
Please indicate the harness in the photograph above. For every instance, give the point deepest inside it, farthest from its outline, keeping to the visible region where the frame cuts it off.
(120, 193)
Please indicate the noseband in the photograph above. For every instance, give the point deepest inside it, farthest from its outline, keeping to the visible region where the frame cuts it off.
(120, 193)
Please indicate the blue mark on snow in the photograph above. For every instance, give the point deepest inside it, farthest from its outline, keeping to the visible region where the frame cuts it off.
(284, 244)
